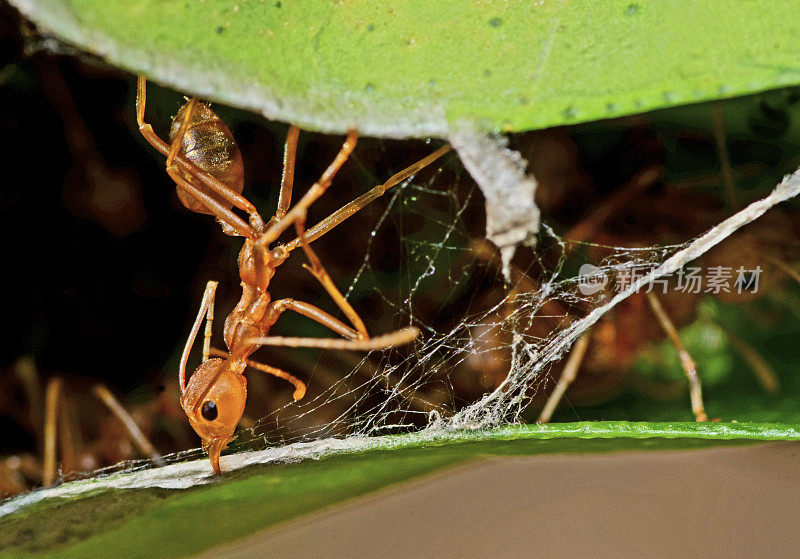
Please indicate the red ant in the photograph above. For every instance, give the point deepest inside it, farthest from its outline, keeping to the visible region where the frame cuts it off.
(206, 165)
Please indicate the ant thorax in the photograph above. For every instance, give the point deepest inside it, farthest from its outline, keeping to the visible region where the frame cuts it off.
(256, 265)
(250, 319)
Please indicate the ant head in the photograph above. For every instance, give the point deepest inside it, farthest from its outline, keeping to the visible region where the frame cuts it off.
(214, 402)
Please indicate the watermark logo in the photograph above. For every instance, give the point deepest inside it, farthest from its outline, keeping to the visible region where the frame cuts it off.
(689, 279)
(591, 279)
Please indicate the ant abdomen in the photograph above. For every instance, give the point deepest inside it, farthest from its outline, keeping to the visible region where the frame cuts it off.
(209, 144)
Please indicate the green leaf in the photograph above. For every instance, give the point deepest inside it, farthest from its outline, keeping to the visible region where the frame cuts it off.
(416, 67)
(153, 523)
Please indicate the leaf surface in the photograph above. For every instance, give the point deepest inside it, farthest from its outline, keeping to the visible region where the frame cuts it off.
(416, 67)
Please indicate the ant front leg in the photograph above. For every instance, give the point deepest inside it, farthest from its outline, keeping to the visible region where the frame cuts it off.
(207, 311)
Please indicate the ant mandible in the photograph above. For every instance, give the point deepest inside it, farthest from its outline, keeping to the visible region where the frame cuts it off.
(206, 165)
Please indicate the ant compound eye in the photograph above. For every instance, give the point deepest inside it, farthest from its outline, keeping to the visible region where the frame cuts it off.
(209, 410)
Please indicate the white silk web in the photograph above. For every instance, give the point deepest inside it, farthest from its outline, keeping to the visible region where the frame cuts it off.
(484, 352)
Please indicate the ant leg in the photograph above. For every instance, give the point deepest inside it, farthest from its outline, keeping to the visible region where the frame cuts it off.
(318, 271)
(287, 181)
(392, 339)
(52, 398)
(317, 189)
(356, 205)
(353, 342)
(214, 184)
(567, 376)
(207, 310)
(314, 313)
(220, 212)
(299, 385)
(178, 140)
(688, 364)
(137, 437)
